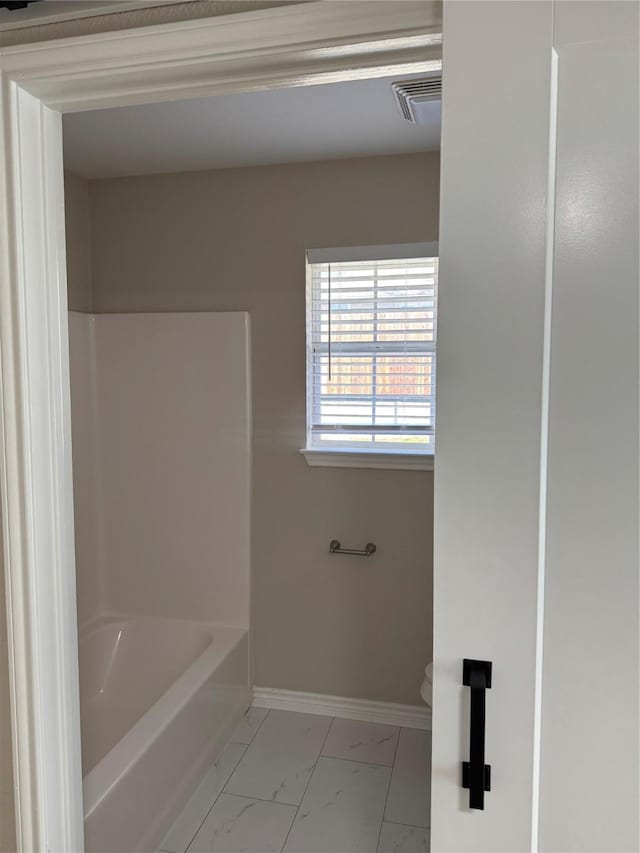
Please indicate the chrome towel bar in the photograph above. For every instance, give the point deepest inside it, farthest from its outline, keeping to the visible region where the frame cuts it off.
(367, 551)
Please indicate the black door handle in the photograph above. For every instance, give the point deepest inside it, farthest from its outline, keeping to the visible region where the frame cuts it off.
(476, 775)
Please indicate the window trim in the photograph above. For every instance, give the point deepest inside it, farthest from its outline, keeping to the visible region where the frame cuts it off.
(345, 254)
(398, 460)
(406, 460)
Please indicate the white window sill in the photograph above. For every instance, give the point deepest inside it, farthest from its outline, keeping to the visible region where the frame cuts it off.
(366, 459)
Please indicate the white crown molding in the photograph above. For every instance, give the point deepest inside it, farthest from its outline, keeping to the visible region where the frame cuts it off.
(111, 15)
(47, 13)
(297, 45)
(367, 710)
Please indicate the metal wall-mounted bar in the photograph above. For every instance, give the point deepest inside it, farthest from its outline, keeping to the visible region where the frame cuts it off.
(367, 551)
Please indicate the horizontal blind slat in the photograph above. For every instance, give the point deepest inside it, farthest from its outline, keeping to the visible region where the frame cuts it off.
(389, 429)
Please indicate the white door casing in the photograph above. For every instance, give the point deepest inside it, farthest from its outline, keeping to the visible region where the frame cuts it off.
(36, 477)
(536, 526)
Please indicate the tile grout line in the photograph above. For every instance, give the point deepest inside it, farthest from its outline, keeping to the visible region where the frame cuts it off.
(246, 748)
(260, 725)
(355, 761)
(410, 825)
(284, 843)
(386, 799)
(297, 807)
(217, 797)
(233, 770)
(261, 799)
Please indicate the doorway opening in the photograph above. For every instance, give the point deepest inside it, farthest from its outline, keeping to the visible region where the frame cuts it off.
(252, 284)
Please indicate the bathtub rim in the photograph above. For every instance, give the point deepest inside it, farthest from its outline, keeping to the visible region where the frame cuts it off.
(101, 779)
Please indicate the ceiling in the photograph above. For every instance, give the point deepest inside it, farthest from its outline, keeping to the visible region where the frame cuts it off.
(323, 122)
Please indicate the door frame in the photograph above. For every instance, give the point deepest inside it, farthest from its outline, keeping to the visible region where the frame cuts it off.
(304, 44)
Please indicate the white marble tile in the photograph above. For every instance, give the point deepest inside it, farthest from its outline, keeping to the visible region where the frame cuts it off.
(249, 725)
(358, 741)
(189, 821)
(279, 760)
(409, 800)
(242, 825)
(396, 838)
(342, 809)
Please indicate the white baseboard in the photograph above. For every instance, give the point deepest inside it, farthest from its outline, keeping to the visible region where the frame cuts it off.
(390, 713)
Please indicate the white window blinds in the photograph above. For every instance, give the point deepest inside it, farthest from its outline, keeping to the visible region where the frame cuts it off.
(371, 355)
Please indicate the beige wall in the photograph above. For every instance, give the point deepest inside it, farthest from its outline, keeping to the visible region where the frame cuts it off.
(235, 240)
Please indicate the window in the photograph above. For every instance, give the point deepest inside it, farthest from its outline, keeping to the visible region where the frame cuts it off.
(371, 355)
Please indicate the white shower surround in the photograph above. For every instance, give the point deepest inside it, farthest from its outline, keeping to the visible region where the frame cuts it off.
(161, 452)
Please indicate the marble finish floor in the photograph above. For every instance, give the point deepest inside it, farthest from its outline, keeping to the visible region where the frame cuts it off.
(302, 783)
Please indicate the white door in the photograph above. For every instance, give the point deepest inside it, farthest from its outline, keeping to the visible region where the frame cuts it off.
(536, 518)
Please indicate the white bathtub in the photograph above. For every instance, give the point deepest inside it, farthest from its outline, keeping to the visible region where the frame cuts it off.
(158, 698)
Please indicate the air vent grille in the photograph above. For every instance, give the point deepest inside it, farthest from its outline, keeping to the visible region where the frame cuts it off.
(411, 92)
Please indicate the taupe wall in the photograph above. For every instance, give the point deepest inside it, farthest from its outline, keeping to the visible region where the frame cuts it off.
(235, 240)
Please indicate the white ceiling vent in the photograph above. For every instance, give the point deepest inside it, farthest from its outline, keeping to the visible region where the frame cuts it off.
(416, 98)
